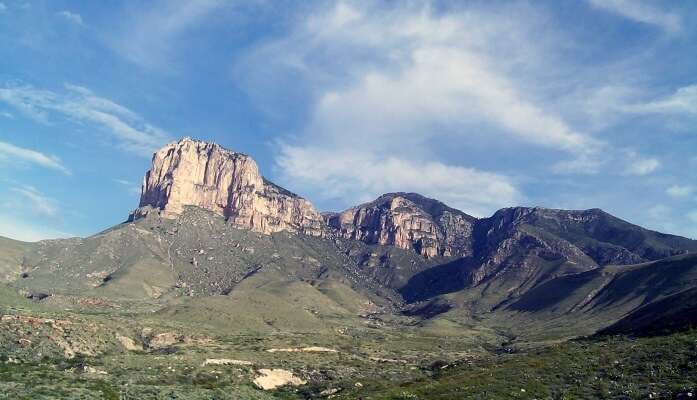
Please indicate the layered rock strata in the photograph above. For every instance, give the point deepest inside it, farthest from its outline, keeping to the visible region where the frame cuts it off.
(407, 221)
(196, 173)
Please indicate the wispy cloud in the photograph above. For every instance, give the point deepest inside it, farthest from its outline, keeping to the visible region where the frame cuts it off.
(37, 202)
(680, 191)
(668, 219)
(131, 187)
(19, 155)
(149, 34)
(396, 82)
(71, 17)
(409, 68)
(3, 8)
(683, 100)
(360, 176)
(639, 165)
(79, 104)
(19, 229)
(641, 11)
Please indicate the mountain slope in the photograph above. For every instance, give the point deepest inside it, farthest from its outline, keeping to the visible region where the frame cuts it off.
(638, 295)
(672, 313)
(520, 248)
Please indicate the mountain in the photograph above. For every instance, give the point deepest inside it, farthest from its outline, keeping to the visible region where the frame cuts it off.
(676, 312)
(195, 173)
(209, 224)
(407, 221)
(220, 279)
(641, 298)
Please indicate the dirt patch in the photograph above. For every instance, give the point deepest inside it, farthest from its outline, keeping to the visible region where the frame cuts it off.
(312, 349)
(225, 361)
(269, 379)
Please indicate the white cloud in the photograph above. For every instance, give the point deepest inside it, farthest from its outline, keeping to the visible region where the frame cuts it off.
(683, 100)
(71, 17)
(659, 212)
(641, 11)
(19, 229)
(19, 155)
(149, 34)
(396, 83)
(680, 191)
(446, 85)
(131, 187)
(38, 203)
(3, 8)
(642, 166)
(669, 220)
(584, 164)
(637, 164)
(407, 70)
(81, 105)
(359, 176)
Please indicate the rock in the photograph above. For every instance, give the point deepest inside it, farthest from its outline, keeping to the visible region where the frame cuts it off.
(268, 379)
(128, 343)
(329, 392)
(317, 349)
(311, 349)
(224, 361)
(388, 360)
(160, 340)
(92, 370)
(407, 221)
(195, 173)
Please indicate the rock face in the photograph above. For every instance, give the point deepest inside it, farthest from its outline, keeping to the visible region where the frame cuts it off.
(407, 221)
(195, 173)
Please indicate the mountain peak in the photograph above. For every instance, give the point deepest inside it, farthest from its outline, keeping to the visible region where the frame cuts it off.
(408, 221)
(197, 173)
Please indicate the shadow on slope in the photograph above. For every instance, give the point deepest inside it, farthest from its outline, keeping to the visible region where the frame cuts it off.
(671, 314)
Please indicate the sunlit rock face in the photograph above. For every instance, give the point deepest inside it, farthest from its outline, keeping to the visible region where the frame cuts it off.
(206, 175)
(407, 221)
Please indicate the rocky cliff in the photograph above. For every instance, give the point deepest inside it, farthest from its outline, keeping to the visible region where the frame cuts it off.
(195, 173)
(407, 221)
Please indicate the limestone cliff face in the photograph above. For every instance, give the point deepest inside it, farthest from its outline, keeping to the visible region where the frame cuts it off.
(195, 173)
(407, 221)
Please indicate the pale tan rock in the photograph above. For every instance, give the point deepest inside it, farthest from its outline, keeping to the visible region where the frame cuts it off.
(195, 173)
(311, 349)
(92, 370)
(225, 361)
(165, 339)
(407, 221)
(128, 343)
(268, 379)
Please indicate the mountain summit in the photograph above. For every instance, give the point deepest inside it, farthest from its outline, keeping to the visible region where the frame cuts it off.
(206, 175)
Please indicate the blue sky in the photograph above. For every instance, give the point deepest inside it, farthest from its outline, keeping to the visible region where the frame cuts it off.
(480, 104)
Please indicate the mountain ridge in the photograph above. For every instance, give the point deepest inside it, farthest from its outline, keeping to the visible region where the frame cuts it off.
(209, 222)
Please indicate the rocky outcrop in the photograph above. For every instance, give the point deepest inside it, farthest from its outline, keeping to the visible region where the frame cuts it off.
(196, 173)
(407, 221)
